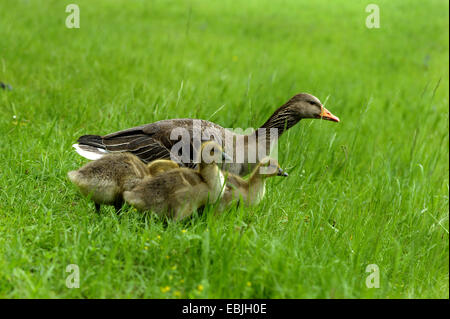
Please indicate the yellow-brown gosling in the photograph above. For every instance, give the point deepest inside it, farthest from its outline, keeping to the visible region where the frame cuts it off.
(179, 192)
(252, 190)
(105, 179)
(157, 167)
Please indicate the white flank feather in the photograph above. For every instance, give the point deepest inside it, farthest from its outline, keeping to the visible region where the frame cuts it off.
(90, 155)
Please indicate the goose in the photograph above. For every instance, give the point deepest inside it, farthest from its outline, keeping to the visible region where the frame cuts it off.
(157, 141)
(252, 190)
(105, 179)
(178, 192)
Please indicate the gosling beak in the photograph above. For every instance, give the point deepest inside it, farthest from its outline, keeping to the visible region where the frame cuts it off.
(326, 115)
(226, 157)
(282, 173)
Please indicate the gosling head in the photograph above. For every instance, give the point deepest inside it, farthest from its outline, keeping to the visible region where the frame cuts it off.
(212, 153)
(269, 167)
(157, 167)
(305, 106)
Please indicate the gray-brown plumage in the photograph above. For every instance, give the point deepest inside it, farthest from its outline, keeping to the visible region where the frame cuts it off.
(153, 141)
(179, 192)
(252, 190)
(105, 179)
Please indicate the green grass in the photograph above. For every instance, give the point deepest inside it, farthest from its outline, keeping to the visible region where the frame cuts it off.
(381, 175)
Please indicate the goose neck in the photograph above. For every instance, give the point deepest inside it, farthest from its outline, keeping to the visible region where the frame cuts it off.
(214, 178)
(282, 119)
(256, 186)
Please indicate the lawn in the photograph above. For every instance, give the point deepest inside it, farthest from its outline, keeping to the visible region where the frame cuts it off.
(372, 189)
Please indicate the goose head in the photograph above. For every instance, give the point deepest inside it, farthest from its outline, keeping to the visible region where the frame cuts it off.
(307, 106)
(300, 106)
(157, 167)
(269, 167)
(211, 153)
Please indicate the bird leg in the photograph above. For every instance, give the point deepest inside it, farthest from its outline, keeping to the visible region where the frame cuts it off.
(118, 205)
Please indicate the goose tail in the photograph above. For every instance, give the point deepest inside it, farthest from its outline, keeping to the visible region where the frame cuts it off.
(90, 147)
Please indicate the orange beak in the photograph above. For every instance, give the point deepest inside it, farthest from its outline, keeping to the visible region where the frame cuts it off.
(326, 115)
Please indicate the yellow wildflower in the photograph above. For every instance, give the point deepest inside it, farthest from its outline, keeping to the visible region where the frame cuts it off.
(165, 289)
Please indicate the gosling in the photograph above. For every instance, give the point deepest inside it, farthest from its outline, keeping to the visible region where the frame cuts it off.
(105, 179)
(160, 166)
(250, 191)
(179, 192)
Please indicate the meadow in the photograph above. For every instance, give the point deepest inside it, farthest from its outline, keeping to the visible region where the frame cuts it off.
(372, 189)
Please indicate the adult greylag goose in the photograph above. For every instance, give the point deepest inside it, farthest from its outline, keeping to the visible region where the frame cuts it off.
(165, 139)
(105, 179)
(252, 190)
(178, 192)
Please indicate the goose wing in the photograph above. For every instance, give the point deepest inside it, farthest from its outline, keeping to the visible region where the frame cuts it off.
(148, 142)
